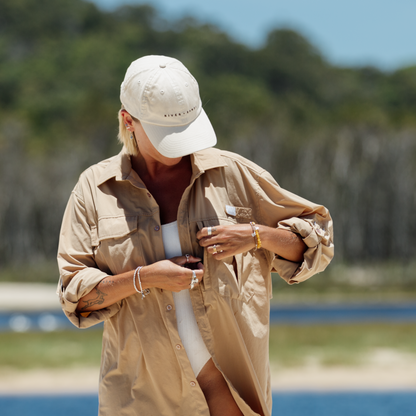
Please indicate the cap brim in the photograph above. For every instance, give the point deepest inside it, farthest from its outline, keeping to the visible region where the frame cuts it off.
(182, 140)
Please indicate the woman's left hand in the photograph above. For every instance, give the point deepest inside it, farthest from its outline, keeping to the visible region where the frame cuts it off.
(226, 240)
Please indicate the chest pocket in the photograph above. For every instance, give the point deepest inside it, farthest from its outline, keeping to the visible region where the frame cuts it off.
(233, 277)
(118, 246)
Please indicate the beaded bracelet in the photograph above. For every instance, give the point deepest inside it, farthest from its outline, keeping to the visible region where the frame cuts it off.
(256, 235)
(145, 292)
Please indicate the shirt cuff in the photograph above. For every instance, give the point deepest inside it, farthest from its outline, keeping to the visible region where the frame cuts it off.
(72, 288)
(317, 256)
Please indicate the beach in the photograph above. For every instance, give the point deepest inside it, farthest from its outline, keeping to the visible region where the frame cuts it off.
(383, 369)
(396, 374)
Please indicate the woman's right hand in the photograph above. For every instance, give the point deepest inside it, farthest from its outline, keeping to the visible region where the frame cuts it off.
(171, 274)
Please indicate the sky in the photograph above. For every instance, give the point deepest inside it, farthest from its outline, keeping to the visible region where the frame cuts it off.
(380, 33)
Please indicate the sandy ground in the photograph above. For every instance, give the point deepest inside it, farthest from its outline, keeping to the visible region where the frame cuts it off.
(59, 381)
(28, 297)
(85, 380)
(383, 370)
(389, 371)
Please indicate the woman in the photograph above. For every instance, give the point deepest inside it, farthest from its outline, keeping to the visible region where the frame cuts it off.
(171, 244)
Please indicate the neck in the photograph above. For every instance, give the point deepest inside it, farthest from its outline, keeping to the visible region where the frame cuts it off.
(166, 183)
(149, 168)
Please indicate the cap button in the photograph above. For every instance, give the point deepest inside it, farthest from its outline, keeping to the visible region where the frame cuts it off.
(162, 65)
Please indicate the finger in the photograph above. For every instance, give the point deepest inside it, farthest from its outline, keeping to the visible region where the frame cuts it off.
(201, 266)
(187, 276)
(215, 249)
(198, 273)
(210, 241)
(207, 232)
(221, 256)
(182, 260)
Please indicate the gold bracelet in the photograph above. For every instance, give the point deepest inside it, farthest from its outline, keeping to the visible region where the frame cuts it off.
(256, 235)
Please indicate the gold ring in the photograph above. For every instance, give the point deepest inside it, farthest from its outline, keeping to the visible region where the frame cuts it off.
(214, 249)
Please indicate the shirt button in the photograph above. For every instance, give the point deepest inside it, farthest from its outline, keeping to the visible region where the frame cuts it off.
(178, 346)
(157, 228)
(169, 307)
(192, 383)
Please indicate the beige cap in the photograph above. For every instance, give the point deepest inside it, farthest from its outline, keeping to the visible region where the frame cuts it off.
(164, 96)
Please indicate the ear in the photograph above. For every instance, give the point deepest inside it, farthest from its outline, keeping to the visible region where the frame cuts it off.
(128, 120)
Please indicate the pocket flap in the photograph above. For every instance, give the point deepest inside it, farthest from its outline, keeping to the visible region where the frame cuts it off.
(241, 214)
(116, 227)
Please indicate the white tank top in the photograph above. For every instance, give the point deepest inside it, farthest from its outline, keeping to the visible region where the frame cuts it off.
(188, 329)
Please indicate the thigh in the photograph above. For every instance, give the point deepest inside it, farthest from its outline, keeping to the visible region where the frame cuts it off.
(216, 391)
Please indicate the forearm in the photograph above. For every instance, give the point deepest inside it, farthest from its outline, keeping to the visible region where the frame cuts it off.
(284, 243)
(165, 274)
(109, 291)
(228, 240)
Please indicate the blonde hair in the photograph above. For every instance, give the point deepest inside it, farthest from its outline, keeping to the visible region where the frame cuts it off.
(124, 136)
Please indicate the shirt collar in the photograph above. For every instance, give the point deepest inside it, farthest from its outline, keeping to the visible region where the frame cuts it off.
(207, 159)
(120, 165)
(118, 168)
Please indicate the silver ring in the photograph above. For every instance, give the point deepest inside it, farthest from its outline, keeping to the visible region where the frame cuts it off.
(194, 280)
(209, 230)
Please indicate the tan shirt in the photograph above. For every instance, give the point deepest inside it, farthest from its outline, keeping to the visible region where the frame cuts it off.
(112, 225)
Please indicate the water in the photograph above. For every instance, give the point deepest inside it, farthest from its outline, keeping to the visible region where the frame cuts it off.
(345, 404)
(291, 314)
(284, 404)
(35, 321)
(338, 313)
(42, 405)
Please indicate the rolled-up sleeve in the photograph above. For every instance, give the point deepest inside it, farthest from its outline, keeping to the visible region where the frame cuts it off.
(79, 273)
(312, 222)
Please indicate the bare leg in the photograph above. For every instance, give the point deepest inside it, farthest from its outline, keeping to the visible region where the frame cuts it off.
(216, 392)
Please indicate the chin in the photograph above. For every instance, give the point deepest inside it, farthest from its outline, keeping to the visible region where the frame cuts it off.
(171, 161)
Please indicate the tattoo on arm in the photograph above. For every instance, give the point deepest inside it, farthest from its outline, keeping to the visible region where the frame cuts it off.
(98, 300)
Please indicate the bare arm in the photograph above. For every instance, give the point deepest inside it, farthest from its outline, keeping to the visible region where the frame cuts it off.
(234, 239)
(166, 274)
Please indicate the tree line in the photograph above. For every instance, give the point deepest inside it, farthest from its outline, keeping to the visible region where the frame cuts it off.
(343, 137)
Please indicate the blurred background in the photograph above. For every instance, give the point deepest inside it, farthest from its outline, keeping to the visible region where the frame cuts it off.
(322, 94)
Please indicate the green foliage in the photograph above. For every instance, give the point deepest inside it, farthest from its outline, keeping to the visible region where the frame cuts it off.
(44, 272)
(329, 345)
(291, 64)
(22, 351)
(62, 63)
(290, 346)
(366, 283)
